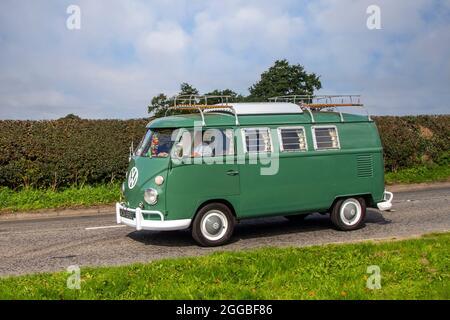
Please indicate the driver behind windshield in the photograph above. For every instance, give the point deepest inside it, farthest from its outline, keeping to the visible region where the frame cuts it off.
(161, 143)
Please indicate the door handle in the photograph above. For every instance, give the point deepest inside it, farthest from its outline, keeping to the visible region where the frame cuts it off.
(232, 172)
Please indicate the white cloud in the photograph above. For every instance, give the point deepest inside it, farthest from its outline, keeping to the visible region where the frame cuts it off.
(247, 28)
(128, 51)
(168, 38)
(400, 69)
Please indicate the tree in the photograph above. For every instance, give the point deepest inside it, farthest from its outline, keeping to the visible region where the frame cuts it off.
(233, 96)
(161, 102)
(187, 89)
(284, 79)
(70, 116)
(159, 105)
(279, 80)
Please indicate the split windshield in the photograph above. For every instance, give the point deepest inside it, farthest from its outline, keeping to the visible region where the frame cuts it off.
(156, 143)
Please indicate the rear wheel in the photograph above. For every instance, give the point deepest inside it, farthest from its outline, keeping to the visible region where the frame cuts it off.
(348, 214)
(213, 225)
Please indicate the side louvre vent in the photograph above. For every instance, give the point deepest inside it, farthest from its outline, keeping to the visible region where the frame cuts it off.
(365, 166)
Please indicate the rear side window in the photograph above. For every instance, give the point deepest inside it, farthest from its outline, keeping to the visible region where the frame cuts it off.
(292, 139)
(257, 140)
(325, 138)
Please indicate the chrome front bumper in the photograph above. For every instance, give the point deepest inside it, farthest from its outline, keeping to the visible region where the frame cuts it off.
(140, 223)
(387, 203)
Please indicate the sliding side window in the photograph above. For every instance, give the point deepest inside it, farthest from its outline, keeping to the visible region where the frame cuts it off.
(292, 139)
(325, 138)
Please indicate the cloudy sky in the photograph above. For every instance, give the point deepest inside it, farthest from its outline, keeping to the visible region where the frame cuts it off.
(128, 51)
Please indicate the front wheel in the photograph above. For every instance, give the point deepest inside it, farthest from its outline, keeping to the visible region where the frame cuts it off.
(348, 214)
(213, 225)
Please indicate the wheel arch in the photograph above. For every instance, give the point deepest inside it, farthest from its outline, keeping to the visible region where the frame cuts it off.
(222, 201)
(368, 198)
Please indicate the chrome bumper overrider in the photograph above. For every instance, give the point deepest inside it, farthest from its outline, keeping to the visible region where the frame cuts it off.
(140, 223)
(387, 203)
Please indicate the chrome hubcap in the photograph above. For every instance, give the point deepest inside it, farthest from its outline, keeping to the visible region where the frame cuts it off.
(214, 225)
(350, 212)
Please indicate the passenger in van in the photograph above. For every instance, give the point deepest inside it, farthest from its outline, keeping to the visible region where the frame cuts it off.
(201, 149)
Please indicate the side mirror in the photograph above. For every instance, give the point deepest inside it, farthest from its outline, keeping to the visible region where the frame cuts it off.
(131, 152)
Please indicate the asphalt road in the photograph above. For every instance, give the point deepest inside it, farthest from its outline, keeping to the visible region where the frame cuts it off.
(52, 244)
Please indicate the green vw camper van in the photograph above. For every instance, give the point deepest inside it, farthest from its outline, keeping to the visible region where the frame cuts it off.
(209, 166)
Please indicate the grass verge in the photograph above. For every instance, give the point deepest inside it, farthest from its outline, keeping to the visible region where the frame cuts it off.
(410, 269)
(32, 199)
(431, 173)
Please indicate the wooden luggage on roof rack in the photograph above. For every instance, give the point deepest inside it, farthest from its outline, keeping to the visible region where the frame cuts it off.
(194, 102)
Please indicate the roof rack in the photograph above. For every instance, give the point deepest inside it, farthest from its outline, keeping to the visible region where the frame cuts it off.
(308, 102)
(200, 103)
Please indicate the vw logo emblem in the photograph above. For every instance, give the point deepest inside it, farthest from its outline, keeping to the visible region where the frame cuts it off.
(133, 177)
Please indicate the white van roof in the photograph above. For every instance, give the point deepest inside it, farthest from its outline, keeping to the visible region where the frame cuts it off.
(245, 108)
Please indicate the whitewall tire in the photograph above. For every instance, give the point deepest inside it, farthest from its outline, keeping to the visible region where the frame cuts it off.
(348, 214)
(213, 225)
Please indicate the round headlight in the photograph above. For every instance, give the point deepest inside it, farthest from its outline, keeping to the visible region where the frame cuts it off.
(159, 180)
(151, 196)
